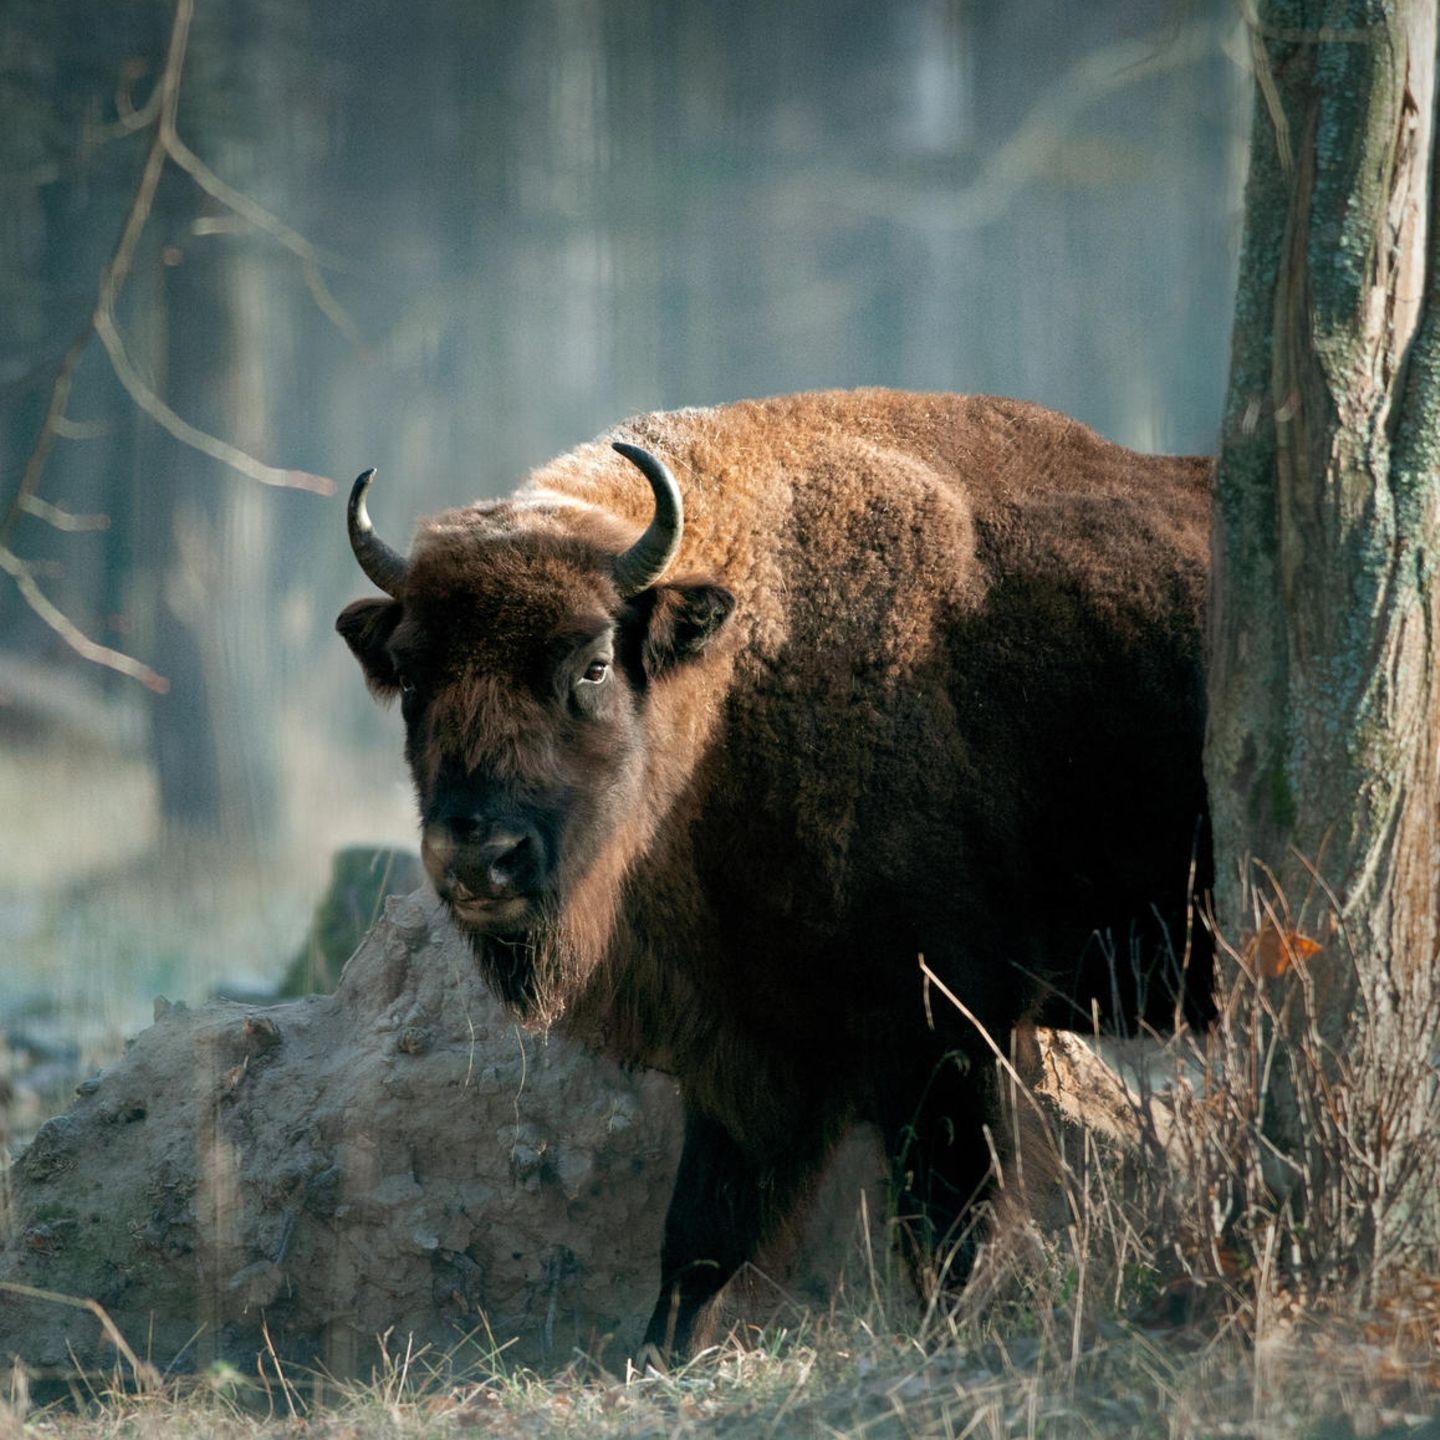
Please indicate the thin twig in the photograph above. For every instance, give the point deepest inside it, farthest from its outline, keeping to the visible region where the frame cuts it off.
(61, 519)
(165, 144)
(71, 633)
(238, 201)
(112, 277)
(146, 1375)
(102, 322)
(1018, 160)
(68, 429)
(329, 306)
(188, 434)
(130, 119)
(311, 257)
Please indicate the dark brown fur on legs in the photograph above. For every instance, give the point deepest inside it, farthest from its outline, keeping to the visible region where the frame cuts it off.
(933, 1130)
(916, 674)
(729, 1200)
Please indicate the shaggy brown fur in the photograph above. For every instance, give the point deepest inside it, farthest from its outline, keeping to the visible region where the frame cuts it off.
(925, 678)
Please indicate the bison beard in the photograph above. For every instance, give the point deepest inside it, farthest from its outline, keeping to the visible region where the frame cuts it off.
(508, 965)
(531, 972)
(705, 771)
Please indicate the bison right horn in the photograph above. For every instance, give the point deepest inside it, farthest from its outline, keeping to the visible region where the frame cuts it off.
(651, 555)
(384, 566)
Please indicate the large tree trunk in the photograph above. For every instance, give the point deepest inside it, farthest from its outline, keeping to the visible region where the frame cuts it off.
(1321, 757)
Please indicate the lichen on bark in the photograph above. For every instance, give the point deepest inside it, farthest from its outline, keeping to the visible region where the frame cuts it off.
(1321, 752)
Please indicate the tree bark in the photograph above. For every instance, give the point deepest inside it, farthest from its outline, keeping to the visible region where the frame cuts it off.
(1321, 755)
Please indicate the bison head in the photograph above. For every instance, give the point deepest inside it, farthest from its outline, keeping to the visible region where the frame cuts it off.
(529, 641)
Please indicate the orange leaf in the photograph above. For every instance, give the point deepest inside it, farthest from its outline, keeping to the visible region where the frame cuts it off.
(1274, 951)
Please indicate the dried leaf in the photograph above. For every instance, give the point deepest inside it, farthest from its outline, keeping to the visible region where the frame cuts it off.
(1274, 951)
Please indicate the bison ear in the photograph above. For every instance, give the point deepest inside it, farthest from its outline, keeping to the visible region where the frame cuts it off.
(680, 621)
(367, 625)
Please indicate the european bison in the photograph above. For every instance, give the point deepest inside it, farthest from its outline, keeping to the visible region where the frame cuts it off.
(872, 675)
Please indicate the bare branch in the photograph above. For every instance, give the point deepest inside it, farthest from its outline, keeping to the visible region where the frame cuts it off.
(125, 104)
(1090, 79)
(71, 633)
(130, 119)
(241, 203)
(330, 307)
(1017, 161)
(68, 429)
(112, 278)
(310, 256)
(64, 519)
(157, 112)
(35, 465)
(187, 433)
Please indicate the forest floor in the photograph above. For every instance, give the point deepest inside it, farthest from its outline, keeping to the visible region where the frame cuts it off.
(837, 1377)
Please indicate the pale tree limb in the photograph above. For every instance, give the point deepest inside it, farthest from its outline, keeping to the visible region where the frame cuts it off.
(1015, 162)
(188, 434)
(1090, 79)
(71, 633)
(329, 306)
(237, 200)
(61, 519)
(131, 119)
(112, 279)
(311, 258)
(158, 113)
(163, 145)
(68, 429)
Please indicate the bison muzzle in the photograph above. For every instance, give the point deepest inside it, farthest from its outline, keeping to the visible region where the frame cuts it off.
(705, 763)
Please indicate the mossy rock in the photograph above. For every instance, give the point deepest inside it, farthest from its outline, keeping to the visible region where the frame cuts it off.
(361, 877)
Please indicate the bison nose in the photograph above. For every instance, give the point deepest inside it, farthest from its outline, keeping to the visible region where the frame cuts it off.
(508, 859)
(474, 857)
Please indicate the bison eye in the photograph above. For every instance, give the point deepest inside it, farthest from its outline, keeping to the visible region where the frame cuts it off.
(595, 672)
(407, 693)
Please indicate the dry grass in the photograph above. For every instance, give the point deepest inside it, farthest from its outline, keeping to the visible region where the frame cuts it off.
(838, 1376)
(1153, 1283)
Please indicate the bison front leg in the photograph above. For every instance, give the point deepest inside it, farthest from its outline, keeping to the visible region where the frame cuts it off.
(934, 1131)
(727, 1201)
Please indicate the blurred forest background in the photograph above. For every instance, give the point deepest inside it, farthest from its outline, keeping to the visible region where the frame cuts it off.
(490, 229)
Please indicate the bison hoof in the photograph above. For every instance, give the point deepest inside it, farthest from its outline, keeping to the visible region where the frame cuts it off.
(649, 1360)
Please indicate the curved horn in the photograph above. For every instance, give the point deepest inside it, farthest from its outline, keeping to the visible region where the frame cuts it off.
(385, 567)
(650, 556)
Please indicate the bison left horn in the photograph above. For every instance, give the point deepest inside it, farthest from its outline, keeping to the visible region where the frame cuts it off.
(650, 556)
(384, 566)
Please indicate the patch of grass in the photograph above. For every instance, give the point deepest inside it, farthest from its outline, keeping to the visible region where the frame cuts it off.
(838, 1376)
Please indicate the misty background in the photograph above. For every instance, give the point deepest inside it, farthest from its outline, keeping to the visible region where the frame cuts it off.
(490, 229)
